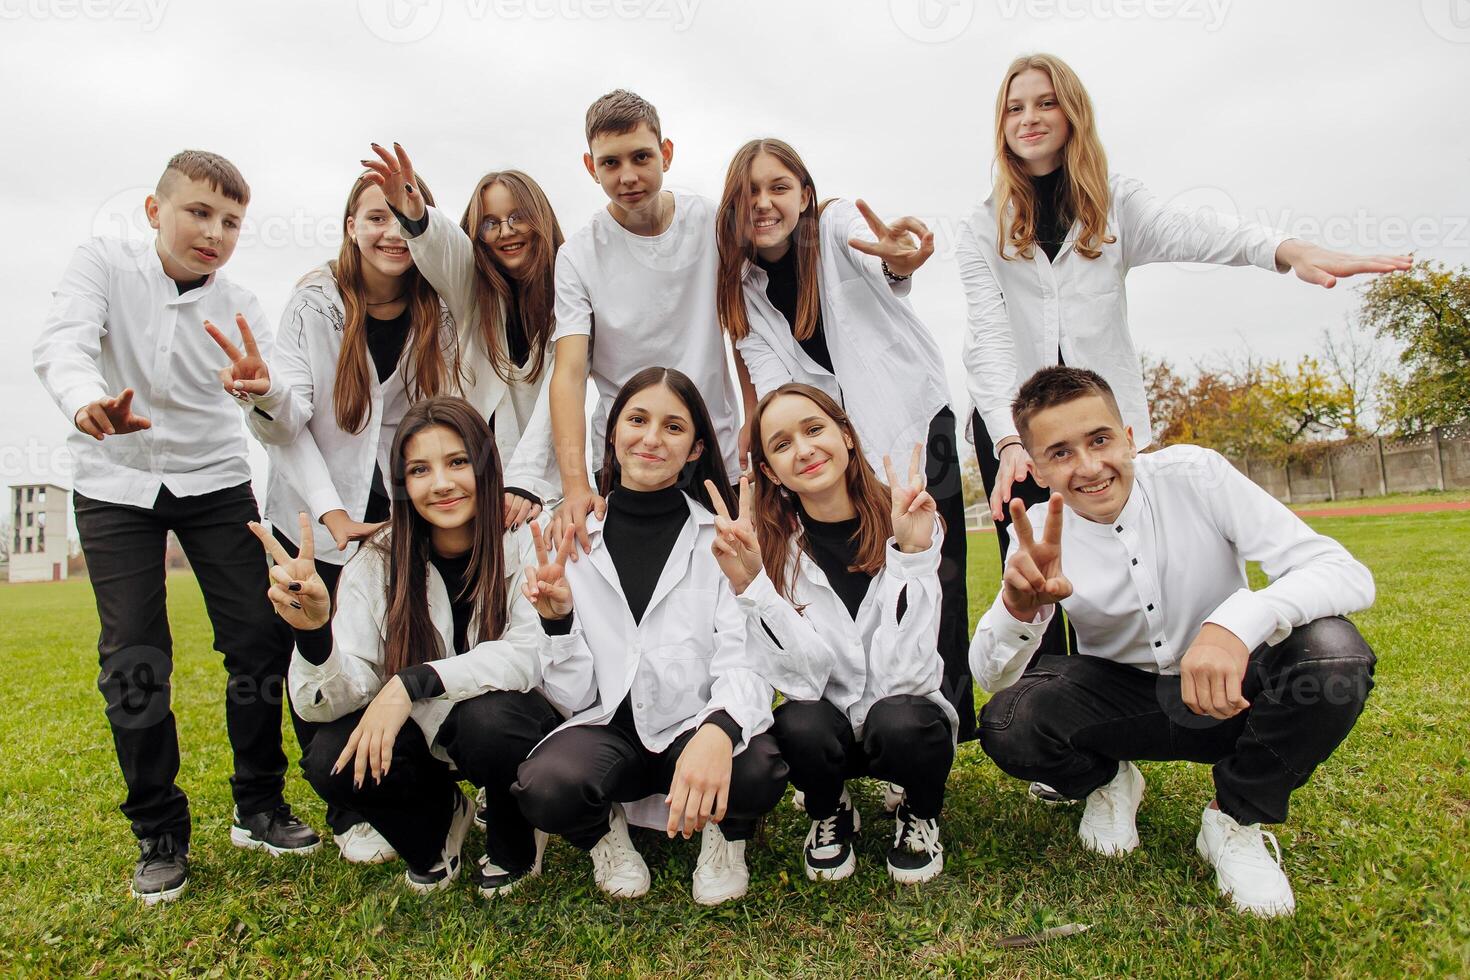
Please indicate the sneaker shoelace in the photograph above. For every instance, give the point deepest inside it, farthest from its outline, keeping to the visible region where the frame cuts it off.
(717, 854)
(1248, 842)
(164, 847)
(921, 835)
(824, 831)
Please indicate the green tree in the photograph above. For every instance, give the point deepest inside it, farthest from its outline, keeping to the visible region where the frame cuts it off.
(1427, 310)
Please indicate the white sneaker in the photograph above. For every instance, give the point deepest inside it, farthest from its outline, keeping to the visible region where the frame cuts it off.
(892, 797)
(798, 801)
(361, 844)
(617, 867)
(1108, 822)
(494, 881)
(443, 873)
(916, 854)
(720, 874)
(1244, 869)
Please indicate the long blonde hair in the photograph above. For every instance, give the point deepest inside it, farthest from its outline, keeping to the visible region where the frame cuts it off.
(428, 370)
(1084, 164)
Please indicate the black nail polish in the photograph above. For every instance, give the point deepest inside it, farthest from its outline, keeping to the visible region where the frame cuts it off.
(294, 586)
(295, 605)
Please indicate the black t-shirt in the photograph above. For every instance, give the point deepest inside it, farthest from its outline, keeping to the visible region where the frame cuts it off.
(421, 680)
(1053, 211)
(385, 340)
(783, 289)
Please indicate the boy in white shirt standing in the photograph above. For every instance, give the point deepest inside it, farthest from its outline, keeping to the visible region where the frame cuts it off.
(1180, 660)
(635, 287)
(159, 447)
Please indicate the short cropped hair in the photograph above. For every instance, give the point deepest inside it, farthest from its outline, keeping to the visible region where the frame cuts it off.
(210, 168)
(1052, 386)
(621, 111)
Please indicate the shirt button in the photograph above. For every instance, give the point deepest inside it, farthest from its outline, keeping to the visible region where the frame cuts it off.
(1119, 529)
(1157, 644)
(638, 705)
(1135, 561)
(1025, 637)
(1150, 607)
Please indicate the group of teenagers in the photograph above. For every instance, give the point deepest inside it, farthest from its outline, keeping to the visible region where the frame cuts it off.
(759, 579)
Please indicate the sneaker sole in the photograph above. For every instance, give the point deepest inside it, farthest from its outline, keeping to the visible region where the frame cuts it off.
(1272, 911)
(428, 888)
(720, 898)
(154, 898)
(498, 891)
(917, 876)
(242, 838)
(377, 857)
(637, 891)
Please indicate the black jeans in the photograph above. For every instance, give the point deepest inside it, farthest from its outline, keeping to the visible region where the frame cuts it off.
(124, 547)
(1069, 721)
(906, 740)
(1059, 638)
(487, 737)
(569, 785)
(942, 471)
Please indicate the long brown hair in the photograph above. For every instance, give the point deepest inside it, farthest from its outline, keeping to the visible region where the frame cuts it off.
(534, 291)
(776, 519)
(711, 462)
(737, 245)
(351, 393)
(409, 633)
(1084, 165)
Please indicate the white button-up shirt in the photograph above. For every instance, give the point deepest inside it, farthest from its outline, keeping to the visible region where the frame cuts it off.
(889, 373)
(1023, 311)
(117, 321)
(1173, 560)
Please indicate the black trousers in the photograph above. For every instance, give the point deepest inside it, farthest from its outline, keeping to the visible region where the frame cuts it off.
(1059, 638)
(942, 471)
(1069, 721)
(338, 818)
(569, 785)
(906, 740)
(487, 737)
(124, 546)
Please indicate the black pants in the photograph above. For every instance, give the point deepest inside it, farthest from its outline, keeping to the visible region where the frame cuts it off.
(906, 740)
(569, 785)
(487, 737)
(1069, 721)
(124, 546)
(942, 471)
(338, 818)
(1059, 638)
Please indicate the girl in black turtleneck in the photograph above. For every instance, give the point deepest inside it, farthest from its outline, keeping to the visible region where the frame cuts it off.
(839, 577)
(650, 658)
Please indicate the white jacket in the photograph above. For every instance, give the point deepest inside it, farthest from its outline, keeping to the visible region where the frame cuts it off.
(824, 653)
(885, 359)
(315, 465)
(684, 661)
(1022, 311)
(446, 257)
(353, 675)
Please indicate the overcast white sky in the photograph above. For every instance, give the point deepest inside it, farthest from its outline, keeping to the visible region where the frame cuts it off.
(1341, 120)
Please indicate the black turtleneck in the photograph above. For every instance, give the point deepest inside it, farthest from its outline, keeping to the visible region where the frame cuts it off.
(1053, 219)
(782, 289)
(518, 345)
(640, 531)
(834, 549)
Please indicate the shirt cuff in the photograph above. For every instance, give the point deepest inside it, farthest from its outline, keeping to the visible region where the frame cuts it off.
(315, 646)
(560, 626)
(421, 681)
(525, 495)
(721, 719)
(411, 228)
(1250, 618)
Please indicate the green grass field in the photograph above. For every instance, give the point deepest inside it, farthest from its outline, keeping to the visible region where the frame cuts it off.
(1376, 847)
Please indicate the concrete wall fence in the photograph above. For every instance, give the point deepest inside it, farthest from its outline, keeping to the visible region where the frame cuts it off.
(1436, 460)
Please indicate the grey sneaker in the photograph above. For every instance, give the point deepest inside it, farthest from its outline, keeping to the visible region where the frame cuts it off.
(162, 871)
(275, 831)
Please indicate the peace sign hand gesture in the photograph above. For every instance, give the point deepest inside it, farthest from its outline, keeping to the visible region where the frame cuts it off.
(247, 374)
(913, 507)
(1033, 576)
(736, 547)
(894, 245)
(297, 591)
(546, 584)
(394, 173)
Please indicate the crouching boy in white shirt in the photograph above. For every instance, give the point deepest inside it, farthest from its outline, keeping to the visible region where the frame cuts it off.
(1180, 660)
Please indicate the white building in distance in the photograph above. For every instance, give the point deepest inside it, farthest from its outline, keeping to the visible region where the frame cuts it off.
(36, 556)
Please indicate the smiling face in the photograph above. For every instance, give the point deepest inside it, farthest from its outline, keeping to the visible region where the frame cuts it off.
(630, 167)
(509, 241)
(777, 200)
(439, 477)
(198, 227)
(1083, 451)
(806, 450)
(654, 438)
(1036, 128)
(379, 239)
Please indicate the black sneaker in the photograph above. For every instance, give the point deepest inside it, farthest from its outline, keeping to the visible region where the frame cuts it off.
(1045, 794)
(494, 881)
(828, 850)
(916, 854)
(482, 810)
(275, 831)
(162, 870)
(447, 869)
